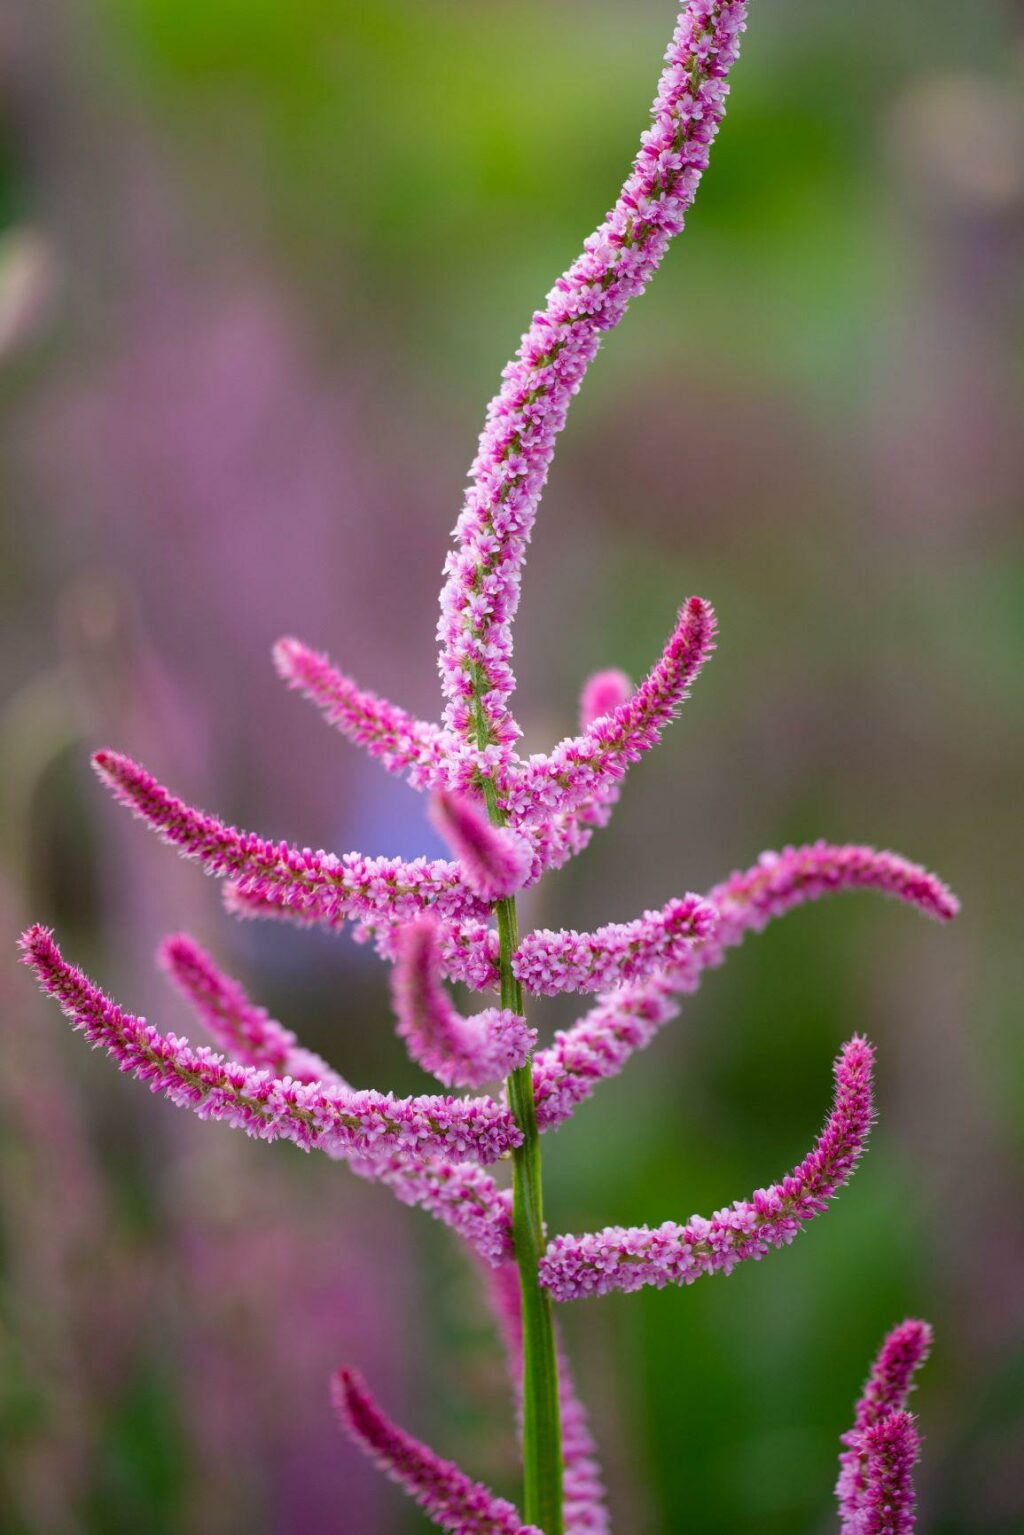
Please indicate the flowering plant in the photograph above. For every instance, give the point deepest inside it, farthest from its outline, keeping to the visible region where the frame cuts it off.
(507, 820)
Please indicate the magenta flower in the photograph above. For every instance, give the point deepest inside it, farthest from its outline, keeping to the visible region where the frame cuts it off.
(507, 820)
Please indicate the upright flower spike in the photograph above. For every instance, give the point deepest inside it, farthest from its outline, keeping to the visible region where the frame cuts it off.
(420, 750)
(245, 1031)
(494, 860)
(268, 1107)
(580, 769)
(447, 1496)
(628, 1259)
(891, 1450)
(548, 962)
(463, 1052)
(321, 886)
(483, 573)
(885, 1394)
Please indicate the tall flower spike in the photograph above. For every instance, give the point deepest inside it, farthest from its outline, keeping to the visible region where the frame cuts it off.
(582, 1488)
(885, 1392)
(627, 1019)
(494, 860)
(449, 1498)
(245, 1031)
(417, 748)
(483, 573)
(891, 1450)
(321, 886)
(268, 1107)
(548, 962)
(627, 1259)
(580, 769)
(463, 1052)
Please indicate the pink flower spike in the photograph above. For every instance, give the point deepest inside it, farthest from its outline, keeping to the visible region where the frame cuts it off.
(603, 694)
(403, 744)
(627, 1259)
(329, 1118)
(464, 1052)
(483, 572)
(494, 861)
(580, 768)
(891, 1450)
(548, 962)
(320, 886)
(885, 1392)
(245, 1031)
(445, 1493)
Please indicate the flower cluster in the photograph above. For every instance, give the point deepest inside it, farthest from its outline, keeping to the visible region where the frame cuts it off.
(506, 821)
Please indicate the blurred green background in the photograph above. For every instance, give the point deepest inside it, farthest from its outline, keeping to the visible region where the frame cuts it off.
(260, 267)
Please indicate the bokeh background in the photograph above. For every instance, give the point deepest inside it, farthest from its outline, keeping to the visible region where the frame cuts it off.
(261, 264)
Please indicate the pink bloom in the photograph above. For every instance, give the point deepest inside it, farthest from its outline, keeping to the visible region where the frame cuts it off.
(494, 861)
(602, 694)
(322, 886)
(464, 1052)
(444, 1492)
(891, 1450)
(582, 768)
(626, 1259)
(885, 1394)
(481, 592)
(268, 1107)
(245, 1031)
(547, 962)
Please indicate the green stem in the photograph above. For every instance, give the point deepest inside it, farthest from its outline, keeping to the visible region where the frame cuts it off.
(542, 1430)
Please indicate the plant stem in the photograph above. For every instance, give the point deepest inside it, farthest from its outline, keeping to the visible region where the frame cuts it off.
(542, 1430)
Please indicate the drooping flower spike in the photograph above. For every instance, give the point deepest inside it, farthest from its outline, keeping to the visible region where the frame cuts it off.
(494, 861)
(265, 1106)
(891, 1450)
(321, 886)
(627, 1019)
(627, 1259)
(448, 1497)
(246, 1032)
(481, 592)
(583, 768)
(460, 1052)
(884, 1397)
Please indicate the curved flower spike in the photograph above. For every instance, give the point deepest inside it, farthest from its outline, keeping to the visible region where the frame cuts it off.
(602, 694)
(245, 1031)
(417, 748)
(582, 1488)
(891, 1450)
(460, 1052)
(494, 860)
(321, 886)
(271, 1108)
(548, 962)
(885, 1393)
(627, 1259)
(459, 1194)
(481, 592)
(445, 1493)
(585, 766)
(627, 1019)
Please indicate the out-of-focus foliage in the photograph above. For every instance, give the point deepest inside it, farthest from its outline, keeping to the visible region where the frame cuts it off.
(260, 266)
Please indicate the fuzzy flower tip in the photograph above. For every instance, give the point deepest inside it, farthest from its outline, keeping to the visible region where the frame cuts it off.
(319, 886)
(483, 573)
(244, 1030)
(265, 1106)
(891, 1449)
(458, 1051)
(602, 694)
(448, 1497)
(495, 861)
(886, 1391)
(627, 1259)
(548, 962)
